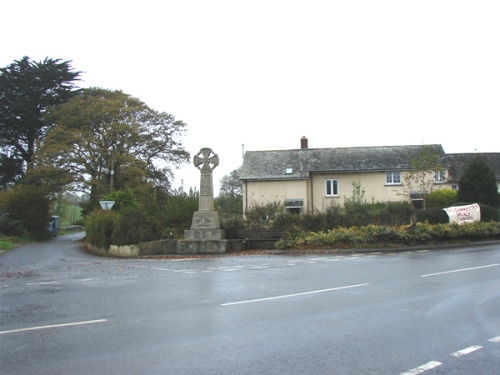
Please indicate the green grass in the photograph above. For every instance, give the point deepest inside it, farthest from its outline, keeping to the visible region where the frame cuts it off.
(8, 243)
(4, 245)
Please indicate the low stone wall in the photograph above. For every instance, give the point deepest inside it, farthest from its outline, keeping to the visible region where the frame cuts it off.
(160, 247)
(181, 247)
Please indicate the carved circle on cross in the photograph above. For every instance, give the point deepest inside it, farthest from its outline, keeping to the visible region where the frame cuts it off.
(206, 160)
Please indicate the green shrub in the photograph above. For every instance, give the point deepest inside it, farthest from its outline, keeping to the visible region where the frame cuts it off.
(377, 236)
(432, 216)
(489, 213)
(99, 226)
(441, 198)
(28, 208)
(10, 226)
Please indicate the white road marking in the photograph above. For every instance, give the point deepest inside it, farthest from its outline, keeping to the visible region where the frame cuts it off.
(495, 339)
(43, 283)
(470, 349)
(154, 268)
(293, 295)
(460, 270)
(420, 369)
(54, 326)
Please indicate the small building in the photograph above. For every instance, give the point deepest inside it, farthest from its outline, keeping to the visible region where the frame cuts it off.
(308, 179)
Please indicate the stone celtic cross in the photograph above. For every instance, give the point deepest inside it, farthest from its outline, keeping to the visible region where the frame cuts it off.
(205, 235)
(206, 161)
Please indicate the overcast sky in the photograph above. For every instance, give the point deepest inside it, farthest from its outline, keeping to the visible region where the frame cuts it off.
(265, 73)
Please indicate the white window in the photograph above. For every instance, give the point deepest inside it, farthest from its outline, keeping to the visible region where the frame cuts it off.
(440, 176)
(393, 178)
(332, 188)
(454, 187)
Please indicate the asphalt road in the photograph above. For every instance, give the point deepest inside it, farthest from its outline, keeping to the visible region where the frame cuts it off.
(63, 311)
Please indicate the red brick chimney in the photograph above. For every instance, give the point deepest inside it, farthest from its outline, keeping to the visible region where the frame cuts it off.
(304, 143)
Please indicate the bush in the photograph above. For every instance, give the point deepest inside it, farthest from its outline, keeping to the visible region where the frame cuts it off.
(432, 216)
(489, 213)
(28, 210)
(378, 236)
(10, 226)
(441, 198)
(99, 226)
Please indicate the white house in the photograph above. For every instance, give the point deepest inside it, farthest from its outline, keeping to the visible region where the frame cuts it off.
(308, 179)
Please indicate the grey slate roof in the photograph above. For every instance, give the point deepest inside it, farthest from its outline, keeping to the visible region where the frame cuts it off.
(272, 165)
(459, 162)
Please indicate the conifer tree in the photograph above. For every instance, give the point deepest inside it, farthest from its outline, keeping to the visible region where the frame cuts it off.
(478, 184)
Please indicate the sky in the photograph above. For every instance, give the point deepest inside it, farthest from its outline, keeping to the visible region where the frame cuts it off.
(260, 74)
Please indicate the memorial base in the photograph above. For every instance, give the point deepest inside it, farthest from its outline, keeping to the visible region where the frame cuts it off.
(205, 220)
(202, 246)
(204, 234)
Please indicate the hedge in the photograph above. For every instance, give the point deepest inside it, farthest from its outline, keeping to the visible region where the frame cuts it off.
(384, 236)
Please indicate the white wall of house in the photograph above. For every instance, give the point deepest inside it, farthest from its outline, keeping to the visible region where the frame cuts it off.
(373, 183)
(263, 192)
(313, 192)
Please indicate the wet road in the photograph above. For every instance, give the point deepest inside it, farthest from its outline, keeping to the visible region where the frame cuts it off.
(63, 311)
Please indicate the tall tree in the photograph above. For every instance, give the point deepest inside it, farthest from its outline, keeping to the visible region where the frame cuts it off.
(27, 90)
(230, 199)
(110, 140)
(231, 184)
(478, 184)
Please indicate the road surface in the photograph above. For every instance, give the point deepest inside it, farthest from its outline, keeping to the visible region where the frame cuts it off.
(63, 311)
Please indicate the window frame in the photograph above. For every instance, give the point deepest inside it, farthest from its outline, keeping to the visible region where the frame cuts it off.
(392, 174)
(440, 176)
(332, 184)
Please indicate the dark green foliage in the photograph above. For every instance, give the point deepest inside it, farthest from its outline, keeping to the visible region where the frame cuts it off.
(124, 199)
(489, 213)
(131, 226)
(353, 214)
(432, 216)
(179, 209)
(10, 226)
(478, 184)
(380, 236)
(108, 140)
(260, 215)
(441, 198)
(11, 170)
(99, 226)
(29, 207)
(141, 216)
(27, 90)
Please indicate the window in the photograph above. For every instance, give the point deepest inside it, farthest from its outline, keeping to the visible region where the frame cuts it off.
(454, 187)
(393, 178)
(289, 170)
(440, 176)
(332, 188)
